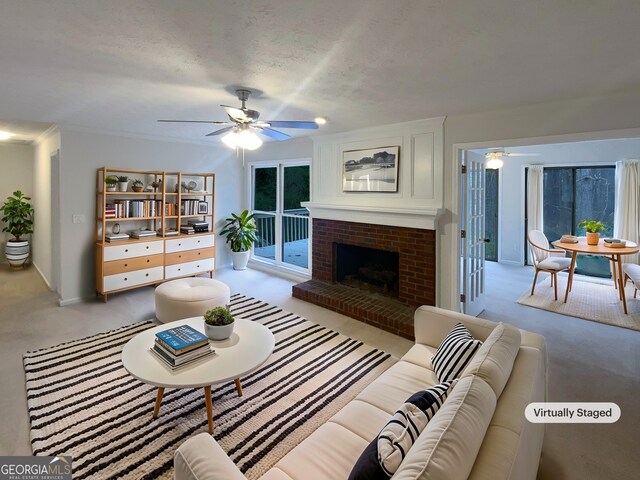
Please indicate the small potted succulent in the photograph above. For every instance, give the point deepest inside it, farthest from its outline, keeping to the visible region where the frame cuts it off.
(110, 183)
(123, 183)
(593, 229)
(137, 185)
(218, 323)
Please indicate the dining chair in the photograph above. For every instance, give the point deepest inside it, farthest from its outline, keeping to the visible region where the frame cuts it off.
(632, 271)
(546, 259)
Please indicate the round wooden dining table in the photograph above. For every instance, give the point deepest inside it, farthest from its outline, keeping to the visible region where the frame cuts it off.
(612, 253)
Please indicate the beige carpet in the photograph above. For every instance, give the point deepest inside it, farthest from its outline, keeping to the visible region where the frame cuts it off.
(591, 301)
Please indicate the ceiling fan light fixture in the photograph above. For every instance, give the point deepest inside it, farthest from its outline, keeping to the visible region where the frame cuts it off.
(320, 120)
(494, 164)
(242, 138)
(5, 135)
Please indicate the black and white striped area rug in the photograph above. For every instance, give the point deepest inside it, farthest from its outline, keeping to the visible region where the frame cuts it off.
(83, 403)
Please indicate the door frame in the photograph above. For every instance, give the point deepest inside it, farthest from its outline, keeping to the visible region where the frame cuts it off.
(452, 301)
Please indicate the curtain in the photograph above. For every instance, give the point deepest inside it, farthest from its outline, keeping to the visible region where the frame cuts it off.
(626, 220)
(534, 200)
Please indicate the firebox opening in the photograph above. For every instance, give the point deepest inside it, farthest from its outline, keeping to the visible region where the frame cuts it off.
(367, 269)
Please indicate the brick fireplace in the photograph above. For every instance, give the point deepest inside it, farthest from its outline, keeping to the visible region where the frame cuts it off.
(414, 282)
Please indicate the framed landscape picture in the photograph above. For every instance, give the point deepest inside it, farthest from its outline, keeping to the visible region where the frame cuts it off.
(370, 170)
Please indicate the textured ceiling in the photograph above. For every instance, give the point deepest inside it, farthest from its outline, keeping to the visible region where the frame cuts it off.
(120, 65)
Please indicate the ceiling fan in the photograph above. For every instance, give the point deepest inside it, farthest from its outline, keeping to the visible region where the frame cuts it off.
(244, 123)
(494, 158)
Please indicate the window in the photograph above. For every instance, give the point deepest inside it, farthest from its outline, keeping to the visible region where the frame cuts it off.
(573, 194)
(282, 223)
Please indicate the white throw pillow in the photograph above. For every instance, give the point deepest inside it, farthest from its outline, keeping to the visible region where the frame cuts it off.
(454, 353)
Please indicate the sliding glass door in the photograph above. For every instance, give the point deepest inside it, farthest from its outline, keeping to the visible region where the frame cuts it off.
(283, 224)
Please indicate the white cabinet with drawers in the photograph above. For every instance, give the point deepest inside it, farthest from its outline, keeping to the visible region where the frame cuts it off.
(125, 280)
(189, 268)
(130, 250)
(189, 243)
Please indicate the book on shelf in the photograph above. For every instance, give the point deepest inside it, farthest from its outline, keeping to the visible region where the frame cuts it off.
(188, 229)
(175, 363)
(116, 237)
(143, 233)
(179, 338)
(169, 233)
(199, 226)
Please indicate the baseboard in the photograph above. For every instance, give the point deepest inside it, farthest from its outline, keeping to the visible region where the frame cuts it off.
(44, 279)
(279, 271)
(71, 301)
(512, 263)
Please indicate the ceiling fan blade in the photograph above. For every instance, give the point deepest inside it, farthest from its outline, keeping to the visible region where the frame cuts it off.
(219, 132)
(235, 113)
(523, 154)
(269, 132)
(292, 124)
(196, 121)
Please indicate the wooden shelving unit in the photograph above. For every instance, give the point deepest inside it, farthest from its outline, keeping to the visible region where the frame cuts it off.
(153, 259)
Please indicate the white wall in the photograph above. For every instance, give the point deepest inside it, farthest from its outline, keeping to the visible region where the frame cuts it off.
(597, 152)
(580, 119)
(83, 152)
(419, 197)
(16, 165)
(45, 255)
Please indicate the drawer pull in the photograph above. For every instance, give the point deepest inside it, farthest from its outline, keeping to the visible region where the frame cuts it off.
(179, 256)
(179, 244)
(146, 275)
(126, 264)
(179, 269)
(148, 260)
(125, 279)
(197, 266)
(199, 253)
(126, 250)
(198, 241)
(147, 247)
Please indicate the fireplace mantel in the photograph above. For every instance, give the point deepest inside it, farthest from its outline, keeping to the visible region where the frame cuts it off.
(423, 218)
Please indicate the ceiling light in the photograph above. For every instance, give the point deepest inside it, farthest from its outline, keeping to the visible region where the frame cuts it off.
(242, 138)
(5, 135)
(320, 120)
(494, 164)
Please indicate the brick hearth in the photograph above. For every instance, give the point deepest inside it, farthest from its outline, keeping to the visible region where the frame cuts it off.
(416, 249)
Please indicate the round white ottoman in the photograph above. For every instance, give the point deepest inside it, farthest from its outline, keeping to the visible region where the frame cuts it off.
(189, 297)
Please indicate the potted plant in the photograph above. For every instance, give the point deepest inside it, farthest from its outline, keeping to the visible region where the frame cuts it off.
(218, 323)
(137, 185)
(123, 183)
(240, 231)
(593, 229)
(110, 183)
(18, 214)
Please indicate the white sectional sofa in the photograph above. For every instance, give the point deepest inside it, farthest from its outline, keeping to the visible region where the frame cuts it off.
(480, 432)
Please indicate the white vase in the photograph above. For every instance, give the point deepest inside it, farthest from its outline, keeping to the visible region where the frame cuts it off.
(122, 186)
(218, 332)
(17, 252)
(240, 260)
(111, 188)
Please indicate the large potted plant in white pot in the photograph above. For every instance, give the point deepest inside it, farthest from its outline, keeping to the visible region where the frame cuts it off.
(241, 232)
(18, 215)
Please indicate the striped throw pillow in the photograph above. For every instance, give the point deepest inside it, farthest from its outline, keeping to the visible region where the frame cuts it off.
(400, 433)
(454, 353)
(384, 454)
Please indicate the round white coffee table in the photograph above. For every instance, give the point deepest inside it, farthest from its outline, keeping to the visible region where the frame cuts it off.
(247, 349)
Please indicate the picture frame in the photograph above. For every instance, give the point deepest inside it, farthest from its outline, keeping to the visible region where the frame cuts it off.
(371, 169)
(203, 208)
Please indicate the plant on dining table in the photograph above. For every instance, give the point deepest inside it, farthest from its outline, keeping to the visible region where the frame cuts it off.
(593, 226)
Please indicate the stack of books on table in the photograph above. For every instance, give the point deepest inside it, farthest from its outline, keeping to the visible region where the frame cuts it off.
(143, 233)
(181, 346)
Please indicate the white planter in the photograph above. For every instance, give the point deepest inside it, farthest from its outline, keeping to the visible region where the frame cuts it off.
(240, 260)
(111, 188)
(17, 252)
(122, 186)
(218, 332)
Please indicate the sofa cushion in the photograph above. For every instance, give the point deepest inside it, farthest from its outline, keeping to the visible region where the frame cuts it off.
(447, 448)
(420, 354)
(454, 353)
(384, 454)
(361, 418)
(396, 384)
(406, 425)
(494, 360)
